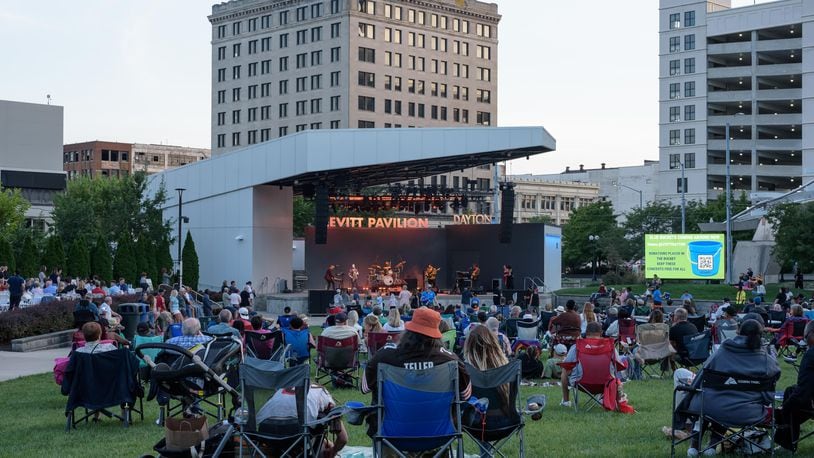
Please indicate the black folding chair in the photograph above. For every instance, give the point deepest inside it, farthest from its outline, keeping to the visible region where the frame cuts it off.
(699, 321)
(503, 417)
(698, 349)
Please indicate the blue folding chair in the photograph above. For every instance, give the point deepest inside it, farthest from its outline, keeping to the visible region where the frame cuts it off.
(418, 411)
(298, 350)
(285, 321)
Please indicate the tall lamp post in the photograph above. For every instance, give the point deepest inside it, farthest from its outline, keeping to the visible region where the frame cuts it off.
(180, 222)
(594, 239)
(641, 200)
(683, 202)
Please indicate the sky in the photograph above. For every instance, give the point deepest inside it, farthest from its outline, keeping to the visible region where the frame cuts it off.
(140, 71)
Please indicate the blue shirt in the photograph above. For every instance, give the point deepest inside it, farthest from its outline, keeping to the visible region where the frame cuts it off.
(114, 290)
(657, 296)
(87, 305)
(15, 285)
(188, 341)
(48, 290)
(427, 296)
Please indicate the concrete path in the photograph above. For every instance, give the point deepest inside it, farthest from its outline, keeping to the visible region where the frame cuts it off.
(17, 364)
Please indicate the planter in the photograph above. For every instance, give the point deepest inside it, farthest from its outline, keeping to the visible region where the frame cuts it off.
(44, 341)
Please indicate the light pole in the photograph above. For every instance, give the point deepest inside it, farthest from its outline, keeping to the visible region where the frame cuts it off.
(641, 200)
(594, 239)
(683, 202)
(729, 209)
(180, 222)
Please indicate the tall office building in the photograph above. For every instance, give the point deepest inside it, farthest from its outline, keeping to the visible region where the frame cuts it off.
(750, 67)
(283, 66)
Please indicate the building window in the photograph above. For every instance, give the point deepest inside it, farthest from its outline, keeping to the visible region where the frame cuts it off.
(316, 34)
(335, 54)
(236, 72)
(679, 188)
(301, 84)
(283, 87)
(222, 96)
(335, 30)
(235, 138)
(367, 79)
(334, 124)
(689, 160)
(283, 40)
(221, 31)
(335, 103)
(282, 110)
(334, 6)
(689, 136)
(253, 91)
(316, 82)
(675, 44)
(221, 118)
(316, 58)
(316, 106)
(316, 10)
(221, 140)
(367, 103)
(675, 114)
(265, 134)
(222, 53)
(301, 107)
(235, 116)
(253, 69)
(236, 94)
(265, 21)
(689, 112)
(334, 79)
(252, 114)
(675, 67)
(283, 17)
(689, 18)
(282, 131)
(675, 161)
(366, 6)
(251, 137)
(302, 13)
(689, 42)
(689, 65)
(483, 96)
(236, 50)
(366, 124)
(675, 137)
(484, 74)
(675, 21)
(367, 30)
(301, 38)
(265, 112)
(284, 63)
(221, 75)
(484, 118)
(236, 28)
(689, 89)
(675, 90)
(253, 47)
(367, 55)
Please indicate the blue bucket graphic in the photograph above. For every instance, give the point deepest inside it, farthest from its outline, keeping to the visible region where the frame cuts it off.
(705, 257)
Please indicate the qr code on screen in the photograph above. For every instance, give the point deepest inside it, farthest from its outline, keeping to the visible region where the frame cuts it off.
(705, 262)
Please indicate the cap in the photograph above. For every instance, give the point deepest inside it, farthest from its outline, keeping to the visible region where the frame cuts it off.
(243, 312)
(560, 309)
(341, 317)
(425, 321)
(560, 349)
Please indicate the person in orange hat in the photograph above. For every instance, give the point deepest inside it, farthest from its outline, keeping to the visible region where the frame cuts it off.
(420, 347)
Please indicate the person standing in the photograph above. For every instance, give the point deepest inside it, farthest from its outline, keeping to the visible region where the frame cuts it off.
(508, 277)
(16, 285)
(330, 278)
(474, 274)
(353, 275)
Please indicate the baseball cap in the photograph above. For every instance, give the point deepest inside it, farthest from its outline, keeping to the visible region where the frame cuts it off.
(341, 317)
(243, 312)
(425, 321)
(560, 349)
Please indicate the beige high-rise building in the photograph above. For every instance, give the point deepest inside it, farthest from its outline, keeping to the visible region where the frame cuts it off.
(283, 66)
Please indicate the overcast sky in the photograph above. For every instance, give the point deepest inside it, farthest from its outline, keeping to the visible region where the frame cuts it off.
(139, 71)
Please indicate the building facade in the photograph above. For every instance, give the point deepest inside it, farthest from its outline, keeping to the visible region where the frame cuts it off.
(283, 66)
(115, 159)
(535, 197)
(30, 141)
(625, 187)
(751, 68)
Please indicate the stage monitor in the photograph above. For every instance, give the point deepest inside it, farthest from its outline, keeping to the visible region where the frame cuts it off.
(685, 256)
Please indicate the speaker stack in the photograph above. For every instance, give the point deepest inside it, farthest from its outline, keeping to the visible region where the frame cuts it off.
(321, 214)
(506, 212)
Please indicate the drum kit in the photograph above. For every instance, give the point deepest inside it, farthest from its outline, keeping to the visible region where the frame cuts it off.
(386, 275)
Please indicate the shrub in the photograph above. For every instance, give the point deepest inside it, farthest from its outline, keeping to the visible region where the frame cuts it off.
(621, 278)
(28, 262)
(7, 255)
(54, 255)
(101, 262)
(190, 257)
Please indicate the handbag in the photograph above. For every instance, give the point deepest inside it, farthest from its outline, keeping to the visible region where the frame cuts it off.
(184, 433)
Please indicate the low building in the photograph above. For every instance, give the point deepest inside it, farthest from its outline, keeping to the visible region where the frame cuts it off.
(103, 158)
(555, 199)
(152, 158)
(30, 140)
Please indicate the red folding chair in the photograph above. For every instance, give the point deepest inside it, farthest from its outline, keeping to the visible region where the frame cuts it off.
(627, 334)
(595, 357)
(792, 330)
(377, 340)
(338, 359)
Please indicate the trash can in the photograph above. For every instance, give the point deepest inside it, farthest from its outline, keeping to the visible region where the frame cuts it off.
(132, 315)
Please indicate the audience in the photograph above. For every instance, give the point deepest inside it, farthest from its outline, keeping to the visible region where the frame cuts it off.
(92, 331)
(798, 399)
(190, 334)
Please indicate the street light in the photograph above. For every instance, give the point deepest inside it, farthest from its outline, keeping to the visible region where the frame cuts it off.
(683, 201)
(594, 239)
(180, 222)
(634, 190)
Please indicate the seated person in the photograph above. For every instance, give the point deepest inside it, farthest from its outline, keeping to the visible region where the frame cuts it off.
(613, 315)
(283, 406)
(222, 326)
(112, 333)
(798, 400)
(190, 334)
(680, 329)
(257, 325)
(92, 332)
(613, 328)
(552, 367)
(493, 325)
(85, 304)
(106, 310)
(394, 322)
(570, 377)
(568, 324)
(483, 352)
(530, 365)
(482, 317)
(340, 330)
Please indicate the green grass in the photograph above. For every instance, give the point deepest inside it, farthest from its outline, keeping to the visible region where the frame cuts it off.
(32, 421)
(676, 289)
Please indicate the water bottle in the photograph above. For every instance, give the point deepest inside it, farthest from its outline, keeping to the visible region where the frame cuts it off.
(481, 405)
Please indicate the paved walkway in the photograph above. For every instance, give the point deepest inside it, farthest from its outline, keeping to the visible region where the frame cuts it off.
(16, 364)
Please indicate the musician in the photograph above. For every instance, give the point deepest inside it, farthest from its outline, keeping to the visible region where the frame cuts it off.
(353, 275)
(427, 296)
(330, 278)
(404, 296)
(474, 273)
(430, 274)
(508, 278)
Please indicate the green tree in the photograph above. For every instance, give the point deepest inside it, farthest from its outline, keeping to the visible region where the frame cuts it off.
(793, 234)
(7, 255)
(163, 260)
(542, 219)
(101, 262)
(124, 263)
(12, 212)
(593, 219)
(657, 217)
(78, 259)
(145, 257)
(190, 258)
(28, 257)
(54, 255)
(303, 215)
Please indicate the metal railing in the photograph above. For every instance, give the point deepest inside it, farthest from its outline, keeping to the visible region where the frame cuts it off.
(535, 282)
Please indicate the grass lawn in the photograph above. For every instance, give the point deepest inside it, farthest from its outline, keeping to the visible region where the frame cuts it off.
(699, 291)
(32, 421)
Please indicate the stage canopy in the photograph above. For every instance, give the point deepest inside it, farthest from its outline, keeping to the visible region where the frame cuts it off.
(239, 203)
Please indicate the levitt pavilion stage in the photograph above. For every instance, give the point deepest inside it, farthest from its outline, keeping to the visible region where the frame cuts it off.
(239, 206)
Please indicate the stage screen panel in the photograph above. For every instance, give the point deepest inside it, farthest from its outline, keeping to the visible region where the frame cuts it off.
(685, 256)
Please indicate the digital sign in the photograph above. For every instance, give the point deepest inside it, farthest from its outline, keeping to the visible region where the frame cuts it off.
(685, 256)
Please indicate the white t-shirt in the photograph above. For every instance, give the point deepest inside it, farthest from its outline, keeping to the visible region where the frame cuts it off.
(389, 328)
(234, 299)
(404, 297)
(284, 404)
(104, 311)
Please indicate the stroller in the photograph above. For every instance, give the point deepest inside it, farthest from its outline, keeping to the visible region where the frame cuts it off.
(192, 379)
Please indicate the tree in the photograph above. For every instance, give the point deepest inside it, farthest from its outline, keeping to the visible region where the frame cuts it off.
(124, 263)
(793, 234)
(12, 212)
(28, 257)
(190, 258)
(303, 215)
(54, 255)
(592, 219)
(657, 217)
(7, 255)
(101, 263)
(542, 219)
(78, 259)
(163, 260)
(145, 256)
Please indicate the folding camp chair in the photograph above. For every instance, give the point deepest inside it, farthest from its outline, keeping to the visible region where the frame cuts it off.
(378, 340)
(298, 349)
(742, 431)
(503, 417)
(595, 356)
(284, 437)
(528, 330)
(284, 321)
(98, 381)
(791, 333)
(698, 349)
(338, 360)
(418, 411)
(653, 348)
(545, 319)
(699, 321)
(265, 345)
(510, 327)
(722, 331)
(776, 318)
(627, 334)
